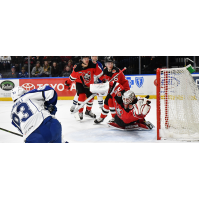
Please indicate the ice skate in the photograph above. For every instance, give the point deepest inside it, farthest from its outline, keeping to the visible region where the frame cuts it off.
(90, 113)
(81, 115)
(72, 108)
(99, 120)
(111, 120)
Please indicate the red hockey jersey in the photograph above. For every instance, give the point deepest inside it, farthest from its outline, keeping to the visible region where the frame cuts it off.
(85, 74)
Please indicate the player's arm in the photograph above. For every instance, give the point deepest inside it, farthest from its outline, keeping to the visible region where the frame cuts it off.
(98, 71)
(45, 93)
(71, 79)
(124, 81)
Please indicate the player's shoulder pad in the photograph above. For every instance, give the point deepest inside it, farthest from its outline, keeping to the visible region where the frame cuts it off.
(40, 89)
(77, 67)
(115, 70)
(91, 64)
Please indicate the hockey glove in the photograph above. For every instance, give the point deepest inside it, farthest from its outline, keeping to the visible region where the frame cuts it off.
(51, 108)
(67, 85)
(114, 88)
(142, 107)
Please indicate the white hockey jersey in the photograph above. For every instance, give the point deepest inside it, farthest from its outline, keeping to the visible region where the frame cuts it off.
(28, 111)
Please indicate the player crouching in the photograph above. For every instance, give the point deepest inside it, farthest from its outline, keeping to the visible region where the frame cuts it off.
(130, 110)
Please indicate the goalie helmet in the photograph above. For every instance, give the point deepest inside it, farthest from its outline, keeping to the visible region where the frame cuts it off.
(108, 59)
(17, 92)
(128, 97)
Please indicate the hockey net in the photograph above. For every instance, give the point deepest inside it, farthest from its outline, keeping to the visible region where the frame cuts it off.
(177, 105)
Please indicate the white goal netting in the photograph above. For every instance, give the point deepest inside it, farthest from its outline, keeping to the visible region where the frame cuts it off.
(179, 105)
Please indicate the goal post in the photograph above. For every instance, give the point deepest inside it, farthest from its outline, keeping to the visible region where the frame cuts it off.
(177, 105)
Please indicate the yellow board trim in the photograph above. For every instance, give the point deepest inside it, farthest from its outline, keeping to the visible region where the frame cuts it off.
(72, 97)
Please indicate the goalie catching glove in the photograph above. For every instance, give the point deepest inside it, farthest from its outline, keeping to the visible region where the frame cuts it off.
(142, 107)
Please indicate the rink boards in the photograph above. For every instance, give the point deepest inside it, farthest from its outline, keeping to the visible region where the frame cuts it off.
(142, 85)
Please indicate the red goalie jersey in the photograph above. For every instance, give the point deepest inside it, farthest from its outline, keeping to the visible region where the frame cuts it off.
(82, 74)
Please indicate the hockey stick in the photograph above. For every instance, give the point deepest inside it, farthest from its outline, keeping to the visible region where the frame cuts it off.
(93, 95)
(11, 132)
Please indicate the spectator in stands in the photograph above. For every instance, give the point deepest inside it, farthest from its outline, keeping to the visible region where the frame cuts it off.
(39, 58)
(32, 60)
(46, 69)
(66, 72)
(13, 73)
(70, 64)
(23, 73)
(5, 61)
(37, 70)
(55, 71)
(1, 76)
(17, 60)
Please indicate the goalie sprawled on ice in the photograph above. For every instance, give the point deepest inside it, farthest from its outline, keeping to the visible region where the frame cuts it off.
(130, 110)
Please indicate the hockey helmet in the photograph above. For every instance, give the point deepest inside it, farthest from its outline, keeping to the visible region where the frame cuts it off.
(84, 57)
(128, 97)
(17, 92)
(108, 59)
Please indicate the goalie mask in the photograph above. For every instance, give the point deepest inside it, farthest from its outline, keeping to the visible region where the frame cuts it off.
(17, 92)
(128, 97)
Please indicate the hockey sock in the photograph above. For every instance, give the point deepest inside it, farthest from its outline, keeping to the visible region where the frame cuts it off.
(75, 101)
(112, 108)
(100, 101)
(105, 111)
(81, 99)
(89, 104)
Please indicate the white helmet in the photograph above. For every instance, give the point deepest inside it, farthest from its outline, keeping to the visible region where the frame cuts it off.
(128, 97)
(17, 92)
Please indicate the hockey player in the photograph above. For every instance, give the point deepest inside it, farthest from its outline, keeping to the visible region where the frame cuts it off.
(33, 114)
(83, 74)
(130, 111)
(96, 80)
(108, 73)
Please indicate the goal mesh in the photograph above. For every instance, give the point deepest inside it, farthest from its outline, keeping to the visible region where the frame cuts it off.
(178, 105)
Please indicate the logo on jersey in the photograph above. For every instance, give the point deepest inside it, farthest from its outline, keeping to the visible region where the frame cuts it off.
(28, 86)
(113, 71)
(130, 106)
(139, 81)
(7, 85)
(87, 77)
(131, 82)
(119, 111)
(119, 94)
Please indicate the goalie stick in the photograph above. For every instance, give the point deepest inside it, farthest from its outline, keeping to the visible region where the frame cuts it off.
(93, 95)
(11, 132)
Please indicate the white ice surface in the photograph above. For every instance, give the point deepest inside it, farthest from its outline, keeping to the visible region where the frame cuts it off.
(81, 131)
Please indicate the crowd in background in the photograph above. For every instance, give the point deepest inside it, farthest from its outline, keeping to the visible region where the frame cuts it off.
(62, 66)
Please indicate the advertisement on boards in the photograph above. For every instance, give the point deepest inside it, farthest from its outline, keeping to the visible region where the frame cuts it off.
(142, 85)
(56, 83)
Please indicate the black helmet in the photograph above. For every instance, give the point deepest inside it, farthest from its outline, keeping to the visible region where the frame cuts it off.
(84, 57)
(108, 59)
